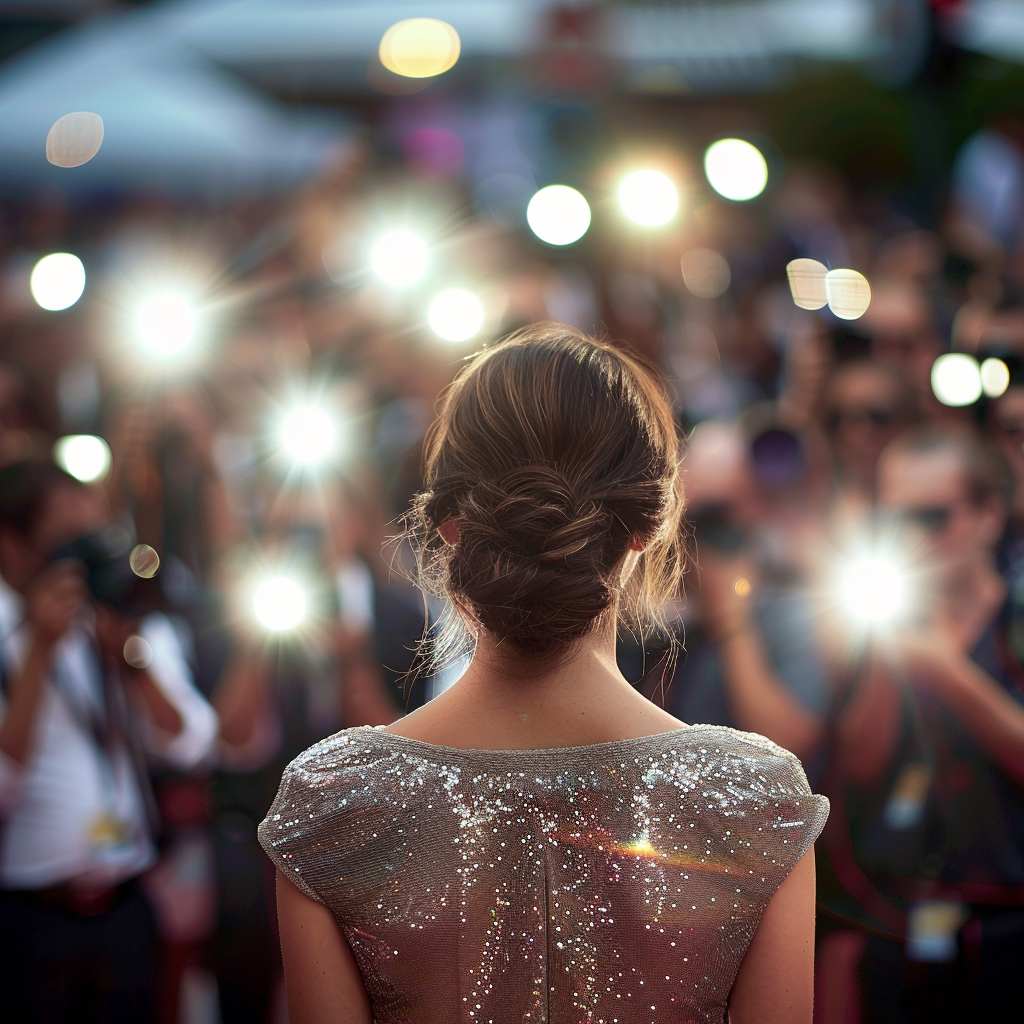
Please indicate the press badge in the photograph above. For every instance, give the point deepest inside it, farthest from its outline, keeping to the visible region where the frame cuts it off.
(108, 833)
(932, 928)
(907, 798)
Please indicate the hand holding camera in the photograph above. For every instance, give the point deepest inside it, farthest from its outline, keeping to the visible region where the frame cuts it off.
(53, 602)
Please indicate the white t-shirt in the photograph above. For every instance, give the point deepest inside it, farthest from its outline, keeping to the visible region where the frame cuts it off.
(50, 804)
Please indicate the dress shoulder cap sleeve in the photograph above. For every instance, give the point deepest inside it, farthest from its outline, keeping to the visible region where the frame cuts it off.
(766, 804)
(320, 794)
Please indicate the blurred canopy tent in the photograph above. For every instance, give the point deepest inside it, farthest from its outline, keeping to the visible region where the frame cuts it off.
(680, 45)
(170, 80)
(335, 45)
(689, 44)
(171, 120)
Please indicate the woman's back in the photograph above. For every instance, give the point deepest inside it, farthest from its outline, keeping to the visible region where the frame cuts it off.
(618, 881)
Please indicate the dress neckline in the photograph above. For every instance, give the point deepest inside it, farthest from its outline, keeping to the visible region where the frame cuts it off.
(528, 754)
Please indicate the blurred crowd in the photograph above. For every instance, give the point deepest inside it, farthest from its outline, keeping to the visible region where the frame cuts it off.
(855, 591)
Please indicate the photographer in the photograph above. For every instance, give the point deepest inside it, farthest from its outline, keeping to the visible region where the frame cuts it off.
(928, 842)
(89, 679)
(751, 660)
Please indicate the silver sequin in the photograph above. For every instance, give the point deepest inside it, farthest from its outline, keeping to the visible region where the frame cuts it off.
(613, 883)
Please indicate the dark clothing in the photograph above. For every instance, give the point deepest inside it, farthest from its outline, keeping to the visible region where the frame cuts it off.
(944, 825)
(58, 966)
(981, 983)
(698, 691)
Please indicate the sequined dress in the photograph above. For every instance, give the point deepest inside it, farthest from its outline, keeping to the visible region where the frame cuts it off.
(614, 883)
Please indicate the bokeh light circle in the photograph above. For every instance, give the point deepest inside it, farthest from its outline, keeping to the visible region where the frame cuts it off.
(648, 197)
(736, 169)
(849, 293)
(558, 215)
(956, 379)
(873, 589)
(399, 258)
(144, 561)
(138, 652)
(279, 602)
(420, 48)
(705, 273)
(85, 456)
(307, 434)
(995, 377)
(57, 281)
(74, 139)
(166, 324)
(456, 314)
(807, 283)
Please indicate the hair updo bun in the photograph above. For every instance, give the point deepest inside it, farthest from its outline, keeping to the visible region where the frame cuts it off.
(550, 451)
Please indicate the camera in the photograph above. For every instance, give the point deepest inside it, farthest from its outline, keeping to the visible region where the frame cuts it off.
(715, 526)
(105, 556)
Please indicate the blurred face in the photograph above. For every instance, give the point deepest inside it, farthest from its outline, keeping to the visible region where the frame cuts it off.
(1008, 429)
(716, 471)
(861, 417)
(68, 513)
(928, 494)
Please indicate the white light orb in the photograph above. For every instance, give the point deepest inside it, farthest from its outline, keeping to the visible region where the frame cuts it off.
(307, 434)
(74, 139)
(873, 589)
(280, 602)
(995, 377)
(558, 215)
(456, 314)
(648, 197)
(420, 48)
(165, 324)
(399, 258)
(956, 379)
(735, 169)
(85, 456)
(849, 293)
(57, 281)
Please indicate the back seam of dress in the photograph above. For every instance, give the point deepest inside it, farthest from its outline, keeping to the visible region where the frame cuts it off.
(547, 944)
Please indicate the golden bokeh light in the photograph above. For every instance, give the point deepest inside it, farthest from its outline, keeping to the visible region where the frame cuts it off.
(420, 48)
(995, 377)
(849, 293)
(807, 283)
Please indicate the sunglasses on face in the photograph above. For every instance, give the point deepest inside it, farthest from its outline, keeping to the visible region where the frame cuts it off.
(869, 415)
(932, 519)
(1010, 429)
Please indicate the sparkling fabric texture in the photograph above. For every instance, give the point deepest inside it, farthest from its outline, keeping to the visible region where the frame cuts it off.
(613, 883)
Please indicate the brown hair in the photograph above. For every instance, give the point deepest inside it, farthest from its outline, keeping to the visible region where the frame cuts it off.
(551, 449)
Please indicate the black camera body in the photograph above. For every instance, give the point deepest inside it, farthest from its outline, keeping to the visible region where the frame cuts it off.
(716, 528)
(105, 557)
